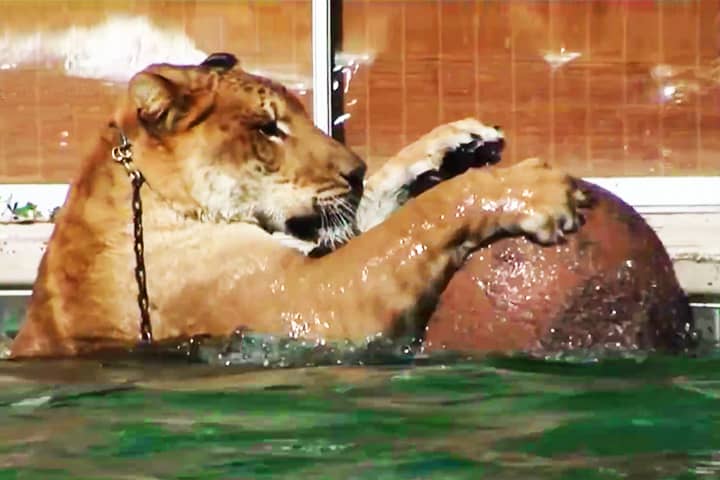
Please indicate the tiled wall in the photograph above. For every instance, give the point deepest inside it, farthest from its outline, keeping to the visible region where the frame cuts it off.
(640, 97)
(50, 110)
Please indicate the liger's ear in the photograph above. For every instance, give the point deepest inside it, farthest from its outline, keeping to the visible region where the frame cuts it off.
(220, 61)
(170, 98)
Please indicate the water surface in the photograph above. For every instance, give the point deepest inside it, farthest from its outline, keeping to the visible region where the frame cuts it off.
(499, 417)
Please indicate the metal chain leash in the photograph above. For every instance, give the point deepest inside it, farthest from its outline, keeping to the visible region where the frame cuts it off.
(122, 154)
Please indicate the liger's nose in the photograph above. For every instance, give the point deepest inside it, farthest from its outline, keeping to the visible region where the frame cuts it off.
(356, 179)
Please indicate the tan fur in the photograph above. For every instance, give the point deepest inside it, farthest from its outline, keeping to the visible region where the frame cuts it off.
(218, 187)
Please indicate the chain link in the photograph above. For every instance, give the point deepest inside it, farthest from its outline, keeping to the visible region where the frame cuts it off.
(122, 154)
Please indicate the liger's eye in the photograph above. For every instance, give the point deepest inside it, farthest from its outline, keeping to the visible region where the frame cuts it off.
(271, 129)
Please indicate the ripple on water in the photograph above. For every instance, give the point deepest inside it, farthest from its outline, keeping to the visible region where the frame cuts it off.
(501, 417)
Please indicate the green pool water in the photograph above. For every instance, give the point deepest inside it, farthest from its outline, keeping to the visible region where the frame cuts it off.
(497, 418)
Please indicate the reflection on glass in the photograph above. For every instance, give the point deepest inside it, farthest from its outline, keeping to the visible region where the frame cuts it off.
(112, 50)
(603, 88)
(63, 65)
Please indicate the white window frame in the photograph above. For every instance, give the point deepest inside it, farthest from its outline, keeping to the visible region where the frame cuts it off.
(322, 65)
(685, 211)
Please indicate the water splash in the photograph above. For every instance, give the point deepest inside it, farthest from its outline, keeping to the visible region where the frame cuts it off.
(269, 351)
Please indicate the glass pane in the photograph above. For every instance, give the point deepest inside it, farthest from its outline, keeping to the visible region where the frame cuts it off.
(603, 88)
(63, 65)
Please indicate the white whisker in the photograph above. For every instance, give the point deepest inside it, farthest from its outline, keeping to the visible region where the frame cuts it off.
(337, 221)
(323, 220)
(345, 205)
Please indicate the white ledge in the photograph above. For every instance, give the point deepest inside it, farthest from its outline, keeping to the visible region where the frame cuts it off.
(665, 194)
(646, 194)
(684, 211)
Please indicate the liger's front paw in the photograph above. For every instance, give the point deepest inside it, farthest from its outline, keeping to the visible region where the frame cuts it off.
(547, 201)
(444, 152)
(451, 149)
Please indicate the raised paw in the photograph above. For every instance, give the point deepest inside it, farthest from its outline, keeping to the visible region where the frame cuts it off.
(544, 203)
(480, 151)
(430, 154)
(444, 152)
(453, 147)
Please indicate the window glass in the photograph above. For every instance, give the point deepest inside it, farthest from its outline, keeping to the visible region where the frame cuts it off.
(63, 65)
(602, 88)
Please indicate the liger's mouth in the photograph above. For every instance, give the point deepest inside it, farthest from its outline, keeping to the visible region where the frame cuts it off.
(331, 224)
(305, 227)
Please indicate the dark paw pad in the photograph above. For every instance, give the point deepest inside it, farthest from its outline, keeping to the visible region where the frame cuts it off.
(475, 154)
(423, 182)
